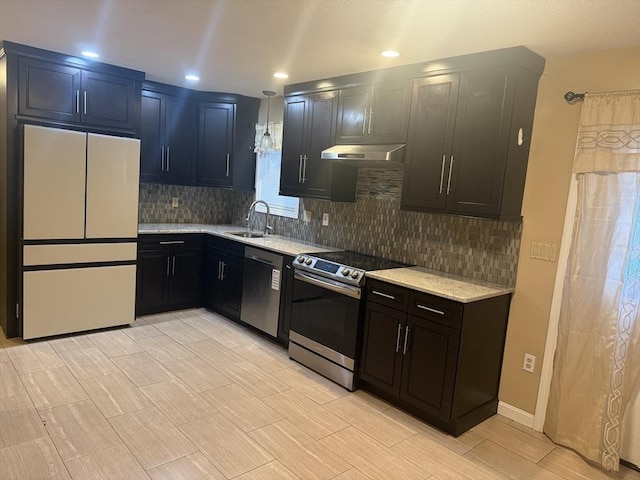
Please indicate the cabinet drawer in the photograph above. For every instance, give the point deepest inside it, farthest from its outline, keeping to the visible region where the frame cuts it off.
(176, 241)
(445, 312)
(387, 294)
(227, 247)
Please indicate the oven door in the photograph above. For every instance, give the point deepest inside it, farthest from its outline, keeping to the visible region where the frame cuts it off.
(327, 313)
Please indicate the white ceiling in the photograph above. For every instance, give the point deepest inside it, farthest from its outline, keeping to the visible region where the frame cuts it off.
(236, 45)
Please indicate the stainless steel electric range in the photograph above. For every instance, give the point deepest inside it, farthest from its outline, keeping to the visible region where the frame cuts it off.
(326, 311)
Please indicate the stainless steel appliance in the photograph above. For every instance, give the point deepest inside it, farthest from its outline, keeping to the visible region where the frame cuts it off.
(326, 311)
(371, 156)
(79, 230)
(262, 277)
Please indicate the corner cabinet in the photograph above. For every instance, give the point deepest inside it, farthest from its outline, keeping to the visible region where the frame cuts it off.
(421, 352)
(226, 131)
(309, 128)
(168, 136)
(468, 142)
(374, 114)
(168, 272)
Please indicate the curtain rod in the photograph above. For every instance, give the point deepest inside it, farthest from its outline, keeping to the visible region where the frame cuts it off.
(572, 97)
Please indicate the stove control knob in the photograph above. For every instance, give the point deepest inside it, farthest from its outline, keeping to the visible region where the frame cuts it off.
(345, 271)
(307, 261)
(354, 274)
(301, 259)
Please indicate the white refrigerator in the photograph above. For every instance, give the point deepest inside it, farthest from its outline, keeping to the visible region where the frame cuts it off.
(79, 231)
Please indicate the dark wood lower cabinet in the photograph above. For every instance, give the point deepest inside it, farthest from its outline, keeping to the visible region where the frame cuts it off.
(168, 273)
(438, 359)
(223, 277)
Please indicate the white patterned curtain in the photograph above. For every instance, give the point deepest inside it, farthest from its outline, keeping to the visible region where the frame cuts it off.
(597, 359)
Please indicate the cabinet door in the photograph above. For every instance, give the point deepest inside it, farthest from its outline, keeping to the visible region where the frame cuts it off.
(215, 144)
(480, 143)
(152, 280)
(108, 100)
(293, 137)
(180, 141)
(429, 367)
(152, 137)
(212, 274)
(353, 115)
(389, 114)
(429, 143)
(321, 114)
(184, 280)
(231, 294)
(382, 346)
(49, 90)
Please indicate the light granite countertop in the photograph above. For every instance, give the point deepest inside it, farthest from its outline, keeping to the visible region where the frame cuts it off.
(445, 285)
(275, 243)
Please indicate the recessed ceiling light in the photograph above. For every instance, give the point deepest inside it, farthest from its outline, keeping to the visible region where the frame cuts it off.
(280, 75)
(89, 54)
(192, 78)
(390, 54)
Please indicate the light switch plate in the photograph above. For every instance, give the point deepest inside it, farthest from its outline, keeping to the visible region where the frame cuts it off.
(174, 202)
(325, 219)
(543, 251)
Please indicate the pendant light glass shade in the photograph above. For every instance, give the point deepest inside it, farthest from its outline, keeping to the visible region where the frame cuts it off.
(266, 143)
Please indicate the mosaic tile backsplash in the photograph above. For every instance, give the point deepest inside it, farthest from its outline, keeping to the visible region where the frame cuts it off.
(373, 224)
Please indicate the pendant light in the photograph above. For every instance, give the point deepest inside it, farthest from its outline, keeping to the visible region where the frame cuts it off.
(266, 143)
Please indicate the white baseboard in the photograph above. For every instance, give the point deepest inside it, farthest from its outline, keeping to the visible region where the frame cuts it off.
(515, 414)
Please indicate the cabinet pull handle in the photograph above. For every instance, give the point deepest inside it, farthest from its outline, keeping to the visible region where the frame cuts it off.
(222, 270)
(300, 169)
(162, 158)
(398, 337)
(370, 120)
(167, 266)
(385, 295)
(364, 121)
(406, 338)
(227, 164)
(173, 267)
(432, 310)
(85, 102)
(167, 159)
(444, 159)
(449, 180)
(304, 169)
(219, 270)
(77, 101)
(172, 242)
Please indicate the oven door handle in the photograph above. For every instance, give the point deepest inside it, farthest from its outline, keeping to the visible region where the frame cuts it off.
(348, 290)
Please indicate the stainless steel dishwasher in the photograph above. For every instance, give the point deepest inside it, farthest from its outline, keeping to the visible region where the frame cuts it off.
(262, 277)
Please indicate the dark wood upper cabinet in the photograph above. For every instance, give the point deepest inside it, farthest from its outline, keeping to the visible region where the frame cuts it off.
(214, 165)
(468, 142)
(69, 94)
(309, 128)
(168, 137)
(374, 114)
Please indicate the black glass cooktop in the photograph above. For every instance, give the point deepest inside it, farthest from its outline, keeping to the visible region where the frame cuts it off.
(359, 260)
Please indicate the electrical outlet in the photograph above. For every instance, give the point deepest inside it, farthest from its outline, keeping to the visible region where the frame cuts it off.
(325, 219)
(306, 216)
(529, 363)
(174, 202)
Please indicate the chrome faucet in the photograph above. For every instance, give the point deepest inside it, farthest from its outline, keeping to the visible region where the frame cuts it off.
(267, 227)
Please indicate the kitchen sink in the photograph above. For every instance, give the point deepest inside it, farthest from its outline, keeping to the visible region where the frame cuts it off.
(246, 234)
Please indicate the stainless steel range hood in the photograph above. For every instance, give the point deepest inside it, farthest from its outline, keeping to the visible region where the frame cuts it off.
(368, 156)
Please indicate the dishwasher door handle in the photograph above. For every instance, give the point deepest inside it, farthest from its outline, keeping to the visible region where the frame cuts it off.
(259, 259)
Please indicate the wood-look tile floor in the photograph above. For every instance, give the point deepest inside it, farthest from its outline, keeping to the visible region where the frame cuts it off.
(190, 395)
